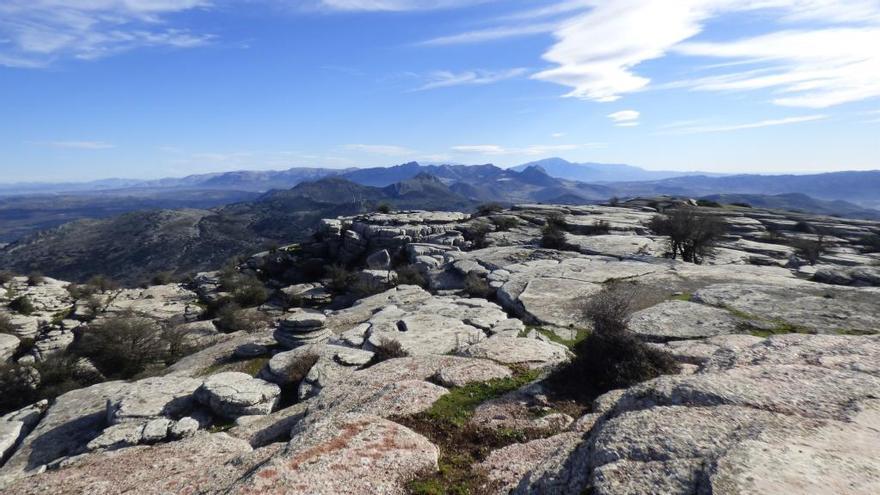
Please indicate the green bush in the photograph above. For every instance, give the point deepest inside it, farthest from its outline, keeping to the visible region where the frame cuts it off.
(387, 349)
(383, 208)
(22, 304)
(804, 227)
(611, 356)
(476, 234)
(486, 209)
(553, 233)
(102, 283)
(246, 289)
(707, 203)
(163, 278)
(809, 249)
(232, 318)
(340, 278)
(871, 243)
(6, 276)
(599, 227)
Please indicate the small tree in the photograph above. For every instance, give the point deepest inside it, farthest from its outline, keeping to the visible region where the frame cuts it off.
(692, 234)
(504, 223)
(809, 249)
(232, 318)
(614, 201)
(410, 275)
(387, 349)
(340, 278)
(553, 232)
(476, 286)
(6, 325)
(163, 278)
(477, 233)
(6, 276)
(486, 209)
(102, 283)
(599, 227)
(383, 208)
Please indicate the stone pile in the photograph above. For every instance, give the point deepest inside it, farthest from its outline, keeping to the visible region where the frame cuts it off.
(302, 327)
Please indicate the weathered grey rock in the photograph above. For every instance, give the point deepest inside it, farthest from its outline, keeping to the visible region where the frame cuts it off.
(520, 351)
(201, 464)
(461, 374)
(260, 431)
(621, 246)
(864, 276)
(73, 420)
(308, 293)
(506, 467)
(152, 398)
(10, 433)
(8, 346)
(233, 394)
(250, 350)
(380, 260)
(678, 320)
(302, 327)
(156, 430)
(168, 303)
(815, 307)
(184, 428)
(355, 454)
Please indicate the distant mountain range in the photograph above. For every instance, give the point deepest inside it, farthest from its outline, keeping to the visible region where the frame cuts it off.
(602, 172)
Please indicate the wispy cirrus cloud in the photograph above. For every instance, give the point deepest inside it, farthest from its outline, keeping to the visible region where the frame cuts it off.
(688, 128)
(39, 32)
(77, 145)
(395, 5)
(533, 150)
(445, 79)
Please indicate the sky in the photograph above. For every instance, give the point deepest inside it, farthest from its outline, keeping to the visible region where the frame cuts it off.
(154, 88)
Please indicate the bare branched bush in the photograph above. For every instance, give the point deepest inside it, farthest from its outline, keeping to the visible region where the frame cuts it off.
(611, 356)
(6, 325)
(809, 249)
(6, 276)
(476, 286)
(504, 223)
(22, 305)
(387, 349)
(35, 278)
(410, 275)
(232, 318)
(692, 234)
(123, 346)
(486, 209)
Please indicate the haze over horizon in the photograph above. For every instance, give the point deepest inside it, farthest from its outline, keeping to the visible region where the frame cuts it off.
(139, 89)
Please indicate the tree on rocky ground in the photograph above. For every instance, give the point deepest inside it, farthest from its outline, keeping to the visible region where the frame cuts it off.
(410, 275)
(246, 289)
(692, 234)
(504, 223)
(809, 249)
(387, 349)
(6, 325)
(232, 318)
(122, 346)
(611, 356)
(6, 276)
(486, 209)
(553, 232)
(476, 286)
(35, 278)
(22, 304)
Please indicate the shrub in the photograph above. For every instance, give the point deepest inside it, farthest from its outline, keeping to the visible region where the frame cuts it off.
(486, 209)
(410, 275)
(163, 278)
(871, 243)
(708, 203)
(691, 234)
(121, 347)
(614, 201)
(476, 234)
(6, 325)
(741, 204)
(611, 357)
(339, 278)
(246, 289)
(804, 227)
(809, 249)
(22, 304)
(387, 349)
(35, 278)
(102, 283)
(80, 291)
(384, 208)
(553, 232)
(17, 386)
(599, 227)
(232, 318)
(6, 276)
(368, 286)
(476, 286)
(503, 223)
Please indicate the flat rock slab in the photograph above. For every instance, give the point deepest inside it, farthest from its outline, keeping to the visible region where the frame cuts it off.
(354, 454)
(815, 308)
(621, 246)
(519, 351)
(476, 371)
(152, 398)
(8, 346)
(680, 320)
(233, 394)
(200, 464)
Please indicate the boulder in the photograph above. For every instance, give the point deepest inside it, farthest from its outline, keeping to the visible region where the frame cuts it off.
(8, 346)
(233, 394)
(355, 454)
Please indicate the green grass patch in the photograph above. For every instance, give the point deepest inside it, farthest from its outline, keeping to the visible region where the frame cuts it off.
(686, 297)
(780, 328)
(579, 336)
(458, 405)
(853, 331)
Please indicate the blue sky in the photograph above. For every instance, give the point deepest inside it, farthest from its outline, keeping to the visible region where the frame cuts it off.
(151, 88)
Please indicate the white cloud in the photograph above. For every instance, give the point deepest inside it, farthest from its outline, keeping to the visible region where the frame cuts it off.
(700, 129)
(625, 118)
(557, 135)
(396, 5)
(80, 145)
(491, 34)
(38, 32)
(533, 150)
(381, 149)
(808, 63)
(445, 79)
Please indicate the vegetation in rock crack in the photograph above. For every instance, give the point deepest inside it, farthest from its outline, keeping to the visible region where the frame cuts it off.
(22, 304)
(246, 289)
(163, 278)
(477, 234)
(611, 356)
(476, 286)
(6, 276)
(504, 223)
(383, 208)
(486, 209)
(463, 445)
(410, 275)
(22, 384)
(871, 243)
(809, 249)
(692, 234)
(339, 278)
(233, 318)
(708, 203)
(599, 227)
(553, 233)
(385, 350)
